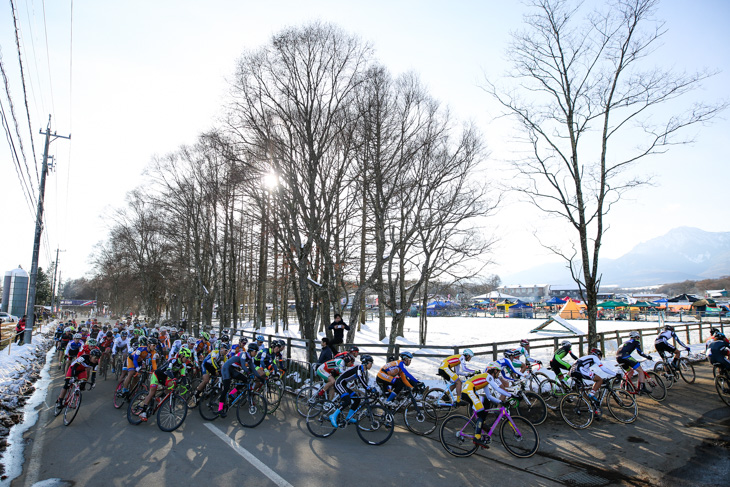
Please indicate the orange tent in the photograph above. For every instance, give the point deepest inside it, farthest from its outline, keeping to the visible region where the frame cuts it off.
(571, 310)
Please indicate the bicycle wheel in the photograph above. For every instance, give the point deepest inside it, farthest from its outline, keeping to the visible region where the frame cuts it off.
(305, 398)
(135, 407)
(576, 411)
(441, 401)
(172, 413)
(118, 368)
(457, 436)
(716, 368)
(722, 385)
(621, 405)
(318, 419)
(532, 407)
(72, 407)
(273, 393)
(422, 421)
(667, 376)
(655, 386)
(208, 404)
(57, 408)
(119, 400)
(686, 370)
(375, 424)
(519, 437)
(552, 394)
(251, 409)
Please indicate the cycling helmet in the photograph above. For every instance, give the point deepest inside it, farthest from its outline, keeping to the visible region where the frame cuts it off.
(719, 336)
(68, 329)
(566, 343)
(223, 346)
(242, 340)
(492, 366)
(260, 338)
(91, 342)
(668, 328)
(142, 341)
(205, 336)
(191, 340)
(467, 353)
(635, 335)
(511, 354)
(177, 343)
(137, 331)
(281, 344)
(252, 347)
(155, 334)
(109, 334)
(225, 338)
(95, 353)
(713, 331)
(104, 328)
(353, 348)
(366, 359)
(124, 334)
(524, 342)
(77, 336)
(184, 337)
(405, 355)
(115, 330)
(153, 341)
(596, 351)
(348, 358)
(185, 353)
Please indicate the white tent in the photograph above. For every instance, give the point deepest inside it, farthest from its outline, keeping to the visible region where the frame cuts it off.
(494, 295)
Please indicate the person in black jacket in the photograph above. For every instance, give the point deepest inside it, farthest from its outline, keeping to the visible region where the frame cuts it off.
(338, 328)
(327, 353)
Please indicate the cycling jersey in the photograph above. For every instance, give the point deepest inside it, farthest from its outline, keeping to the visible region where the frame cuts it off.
(718, 353)
(518, 352)
(241, 363)
(628, 347)
(507, 364)
(392, 371)
(266, 357)
(588, 366)
(667, 335)
(202, 347)
(558, 362)
(214, 359)
(332, 367)
(121, 345)
(136, 358)
(79, 367)
(454, 366)
(73, 348)
(479, 383)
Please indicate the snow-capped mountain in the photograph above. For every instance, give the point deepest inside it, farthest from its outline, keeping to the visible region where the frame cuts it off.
(683, 253)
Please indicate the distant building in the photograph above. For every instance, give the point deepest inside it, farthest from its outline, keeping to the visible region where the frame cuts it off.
(529, 293)
(15, 292)
(572, 291)
(718, 293)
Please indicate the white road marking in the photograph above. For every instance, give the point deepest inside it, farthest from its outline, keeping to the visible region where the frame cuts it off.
(273, 476)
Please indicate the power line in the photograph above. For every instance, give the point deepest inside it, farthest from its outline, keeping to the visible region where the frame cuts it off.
(35, 62)
(25, 93)
(14, 155)
(48, 57)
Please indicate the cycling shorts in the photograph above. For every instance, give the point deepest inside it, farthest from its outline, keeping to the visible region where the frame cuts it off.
(130, 364)
(471, 396)
(663, 347)
(627, 363)
(158, 378)
(323, 374)
(209, 368)
(448, 374)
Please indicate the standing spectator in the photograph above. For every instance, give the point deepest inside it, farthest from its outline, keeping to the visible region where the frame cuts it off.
(327, 353)
(338, 328)
(20, 330)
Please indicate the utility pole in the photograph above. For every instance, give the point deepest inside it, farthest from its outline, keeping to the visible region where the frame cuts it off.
(53, 286)
(30, 310)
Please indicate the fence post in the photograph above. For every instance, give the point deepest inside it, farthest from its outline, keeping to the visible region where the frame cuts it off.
(580, 345)
(397, 351)
(555, 343)
(288, 347)
(603, 343)
(494, 352)
(687, 330)
(456, 350)
(701, 340)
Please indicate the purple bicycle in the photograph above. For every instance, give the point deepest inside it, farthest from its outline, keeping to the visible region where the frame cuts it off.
(518, 435)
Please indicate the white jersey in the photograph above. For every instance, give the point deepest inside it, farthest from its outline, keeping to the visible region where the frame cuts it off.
(496, 387)
(590, 365)
(121, 345)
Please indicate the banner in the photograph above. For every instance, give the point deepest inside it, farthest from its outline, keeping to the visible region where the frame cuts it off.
(78, 302)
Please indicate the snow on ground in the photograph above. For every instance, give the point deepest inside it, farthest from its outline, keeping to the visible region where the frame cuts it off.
(463, 332)
(19, 368)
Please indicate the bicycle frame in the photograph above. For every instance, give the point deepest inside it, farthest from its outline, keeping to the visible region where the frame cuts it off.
(502, 414)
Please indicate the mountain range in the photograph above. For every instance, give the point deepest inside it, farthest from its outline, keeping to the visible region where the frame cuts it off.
(684, 253)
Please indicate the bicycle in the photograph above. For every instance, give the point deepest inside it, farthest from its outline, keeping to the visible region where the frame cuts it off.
(251, 406)
(671, 374)
(722, 384)
(458, 434)
(170, 406)
(273, 389)
(71, 403)
(307, 396)
(529, 404)
(555, 390)
(653, 384)
(104, 365)
(444, 400)
(534, 379)
(118, 364)
(578, 409)
(138, 382)
(374, 423)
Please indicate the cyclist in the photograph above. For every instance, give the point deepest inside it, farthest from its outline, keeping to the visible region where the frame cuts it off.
(352, 350)
(455, 366)
(144, 351)
(172, 369)
(260, 341)
(480, 382)
(202, 346)
(348, 396)
(121, 345)
(74, 347)
(590, 367)
(507, 365)
(211, 367)
(238, 347)
(269, 358)
(627, 362)
(174, 349)
(330, 370)
(393, 376)
(523, 349)
(558, 363)
(79, 369)
(239, 367)
(663, 346)
(719, 351)
(64, 341)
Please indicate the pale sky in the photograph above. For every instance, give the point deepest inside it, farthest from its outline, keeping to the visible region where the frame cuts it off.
(142, 78)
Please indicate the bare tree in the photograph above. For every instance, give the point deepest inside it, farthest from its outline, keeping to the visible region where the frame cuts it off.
(583, 93)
